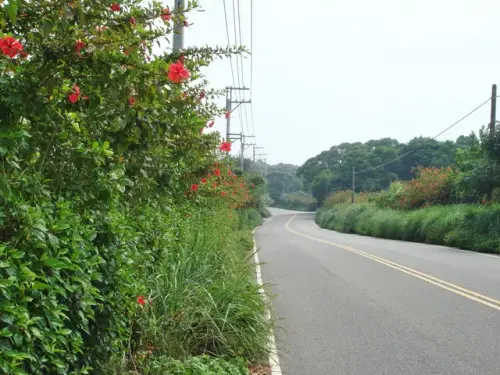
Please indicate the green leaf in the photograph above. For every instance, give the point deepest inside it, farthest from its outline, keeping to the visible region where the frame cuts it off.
(47, 28)
(12, 11)
(55, 263)
(39, 285)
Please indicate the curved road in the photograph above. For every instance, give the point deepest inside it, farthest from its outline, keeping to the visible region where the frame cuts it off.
(357, 305)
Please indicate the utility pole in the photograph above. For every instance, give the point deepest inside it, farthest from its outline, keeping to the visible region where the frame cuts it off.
(178, 42)
(244, 146)
(492, 126)
(229, 108)
(255, 148)
(353, 183)
(493, 115)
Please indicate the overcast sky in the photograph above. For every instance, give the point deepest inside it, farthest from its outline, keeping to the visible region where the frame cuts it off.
(329, 71)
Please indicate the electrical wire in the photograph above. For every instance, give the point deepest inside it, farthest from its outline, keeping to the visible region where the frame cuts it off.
(242, 66)
(436, 136)
(228, 39)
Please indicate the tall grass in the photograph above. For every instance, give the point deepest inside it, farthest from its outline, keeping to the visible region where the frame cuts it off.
(202, 296)
(464, 226)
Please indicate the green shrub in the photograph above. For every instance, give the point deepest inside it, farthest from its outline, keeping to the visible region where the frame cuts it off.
(203, 298)
(202, 365)
(463, 226)
(103, 170)
(249, 218)
(297, 201)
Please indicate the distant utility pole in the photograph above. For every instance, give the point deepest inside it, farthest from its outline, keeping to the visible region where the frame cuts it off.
(244, 146)
(353, 183)
(255, 148)
(493, 115)
(492, 126)
(229, 108)
(178, 43)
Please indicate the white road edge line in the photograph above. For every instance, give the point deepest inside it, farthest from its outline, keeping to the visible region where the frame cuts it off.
(274, 361)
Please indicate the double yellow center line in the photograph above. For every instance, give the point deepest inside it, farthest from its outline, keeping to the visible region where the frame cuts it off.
(474, 296)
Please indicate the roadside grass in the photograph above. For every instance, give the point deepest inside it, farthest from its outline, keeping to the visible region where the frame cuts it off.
(204, 301)
(469, 227)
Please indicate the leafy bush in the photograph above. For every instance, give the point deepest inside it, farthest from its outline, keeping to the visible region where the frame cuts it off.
(103, 171)
(465, 226)
(203, 365)
(338, 197)
(297, 201)
(431, 186)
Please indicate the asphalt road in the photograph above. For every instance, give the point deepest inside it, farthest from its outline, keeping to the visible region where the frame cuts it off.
(356, 305)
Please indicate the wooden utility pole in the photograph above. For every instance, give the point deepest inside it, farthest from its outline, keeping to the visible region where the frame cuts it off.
(493, 114)
(353, 183)
(492, 126)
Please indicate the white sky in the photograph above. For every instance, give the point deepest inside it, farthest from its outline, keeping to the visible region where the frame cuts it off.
(343, 71)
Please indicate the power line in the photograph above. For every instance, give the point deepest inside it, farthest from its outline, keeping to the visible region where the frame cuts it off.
(238, 71)
(436, 136)
(242, 69)
(251, 47)
(228, 39)
(251, 66)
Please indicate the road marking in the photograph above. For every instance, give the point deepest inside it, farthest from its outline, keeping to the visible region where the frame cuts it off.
(470, 252)
(274, 361)
(474, 296)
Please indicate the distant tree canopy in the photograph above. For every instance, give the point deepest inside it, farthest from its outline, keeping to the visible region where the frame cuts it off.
(282, 182)
(332, 170)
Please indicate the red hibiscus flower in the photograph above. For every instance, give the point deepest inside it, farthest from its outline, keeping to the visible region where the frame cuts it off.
(223, 193)
(75, 95)
(115, 7)
(79, 45)
(225, 146)
(132, 21)
(194, 187)
(228, 114)
(217, 172)
(141, 300)
(131, 100)
(10, 46)
(211, 123)
(203, 180)
(202, 95)
(178, 72)
(166, 15)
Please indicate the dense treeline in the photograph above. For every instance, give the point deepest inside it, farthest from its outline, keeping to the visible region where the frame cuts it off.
(457, 205)
(331, 170)
(285, 189)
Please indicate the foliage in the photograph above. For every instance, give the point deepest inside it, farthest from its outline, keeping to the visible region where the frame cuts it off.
(203, 365)
(202, 298)
(331, 170)
(103, 174)
(431, 186)
(298, 201)
(285, 188)
(470, 227)
(345, 196)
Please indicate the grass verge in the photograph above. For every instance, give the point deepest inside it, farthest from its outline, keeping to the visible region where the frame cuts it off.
(204, 313)
(468, 227)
